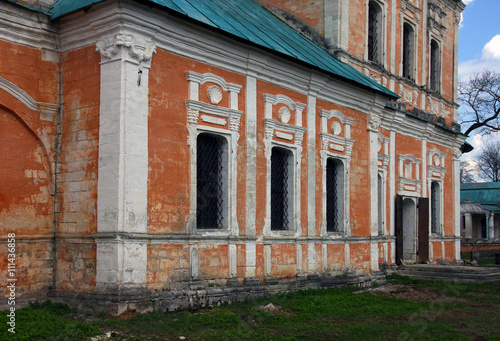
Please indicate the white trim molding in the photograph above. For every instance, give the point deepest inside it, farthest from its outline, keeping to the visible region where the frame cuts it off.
(294, 135)
(338, 148)
(409, 183)
(228, 119)
(47, 111)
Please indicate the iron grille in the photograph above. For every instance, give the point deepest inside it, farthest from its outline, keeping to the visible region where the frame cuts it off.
(372, 33)
(332, 196)
(380, 189)
(209, 186)
(407, 50)
(434, 207)
(434, 66)
(279, 189)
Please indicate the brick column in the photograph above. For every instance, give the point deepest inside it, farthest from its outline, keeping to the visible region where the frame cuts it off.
(123, 161)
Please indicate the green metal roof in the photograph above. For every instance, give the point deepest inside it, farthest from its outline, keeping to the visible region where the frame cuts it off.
(250, 21)
(484, 194)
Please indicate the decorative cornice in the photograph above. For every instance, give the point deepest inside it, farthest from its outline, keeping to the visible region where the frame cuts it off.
(211, 78)
(126, 47)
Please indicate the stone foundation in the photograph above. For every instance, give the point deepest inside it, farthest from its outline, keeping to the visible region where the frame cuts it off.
(143, 300)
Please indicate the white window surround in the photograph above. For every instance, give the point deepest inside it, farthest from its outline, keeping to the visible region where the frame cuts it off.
(407, 185)
(413, 51)
(436, 173)
(287, 131)
(338, 148)
(439, 62)
(382, 30)
(383, 162)
(224, 117)
(439, 228)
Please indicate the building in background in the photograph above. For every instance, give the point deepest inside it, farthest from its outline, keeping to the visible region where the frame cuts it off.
(166, 154)
(480, 215)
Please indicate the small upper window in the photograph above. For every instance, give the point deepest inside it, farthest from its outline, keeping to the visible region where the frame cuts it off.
(374, 32)
(408, 51)
(435, 67)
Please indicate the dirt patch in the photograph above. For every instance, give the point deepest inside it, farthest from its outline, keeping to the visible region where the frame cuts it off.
(410, 293)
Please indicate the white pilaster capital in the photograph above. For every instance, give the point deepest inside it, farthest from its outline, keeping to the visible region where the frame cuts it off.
(126, 47)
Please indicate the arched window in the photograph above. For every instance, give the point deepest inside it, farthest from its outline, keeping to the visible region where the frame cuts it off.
(408, 51)
(374, 32)
(435, 66)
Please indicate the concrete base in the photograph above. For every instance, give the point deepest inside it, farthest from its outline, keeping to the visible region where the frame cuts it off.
(460, 274)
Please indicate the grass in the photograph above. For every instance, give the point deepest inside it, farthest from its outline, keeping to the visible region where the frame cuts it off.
(465, 312)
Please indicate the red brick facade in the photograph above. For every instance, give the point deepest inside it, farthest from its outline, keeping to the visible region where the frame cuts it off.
(85, 121)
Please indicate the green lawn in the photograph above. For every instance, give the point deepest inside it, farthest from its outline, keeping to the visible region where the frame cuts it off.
(404, 310)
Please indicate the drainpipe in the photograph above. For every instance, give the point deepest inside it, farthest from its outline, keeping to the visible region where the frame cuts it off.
(56, 197)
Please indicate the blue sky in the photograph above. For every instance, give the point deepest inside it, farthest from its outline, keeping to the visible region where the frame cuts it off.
(479, 37)
(479, 49)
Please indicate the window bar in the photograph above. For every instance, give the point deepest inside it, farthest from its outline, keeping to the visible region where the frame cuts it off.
(332, 188)
(209, 201)
(279, 190)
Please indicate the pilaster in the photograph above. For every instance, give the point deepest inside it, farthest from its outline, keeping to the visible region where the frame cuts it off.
(123, 159)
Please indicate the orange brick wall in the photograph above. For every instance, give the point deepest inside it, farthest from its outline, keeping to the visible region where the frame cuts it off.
(77, 175)
(27, 148)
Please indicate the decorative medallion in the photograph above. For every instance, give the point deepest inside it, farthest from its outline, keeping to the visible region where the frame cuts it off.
(336, 128)
(284, 114)
(214, 94)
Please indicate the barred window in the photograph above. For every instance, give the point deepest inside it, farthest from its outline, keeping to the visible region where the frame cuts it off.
(381, 203)
(374, 32)
(435, 207)
(435, 68)
(281, 189)
(210, 187)
(334, 195)
(408, 51)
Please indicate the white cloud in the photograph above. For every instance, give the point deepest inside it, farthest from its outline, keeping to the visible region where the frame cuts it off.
(492, 49)
(466, 2)
(490, 59)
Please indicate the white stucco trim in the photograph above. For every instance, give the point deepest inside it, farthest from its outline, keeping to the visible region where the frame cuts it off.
(47, 111)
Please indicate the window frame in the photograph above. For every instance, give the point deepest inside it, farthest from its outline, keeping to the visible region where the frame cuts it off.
(436, 218)
(379, 30)
(408, 51)
(337, 147)
(204, 117)
(435, 85)
(290, 193)
(223, 181)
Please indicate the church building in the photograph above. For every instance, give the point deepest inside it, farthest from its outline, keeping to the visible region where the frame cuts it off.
(168, 154)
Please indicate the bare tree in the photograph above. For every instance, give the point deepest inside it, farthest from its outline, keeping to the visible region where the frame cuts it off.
(480, 99)
(488, 161)
(466, 169)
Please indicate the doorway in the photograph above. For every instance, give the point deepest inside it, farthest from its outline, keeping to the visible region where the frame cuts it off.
(412, 229)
